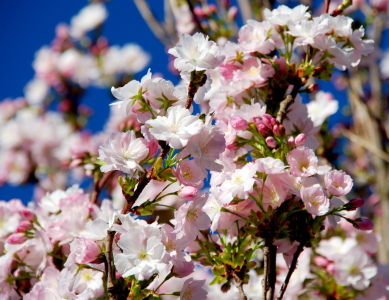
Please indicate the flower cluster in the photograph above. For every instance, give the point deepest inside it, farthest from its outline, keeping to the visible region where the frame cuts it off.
(231, 196)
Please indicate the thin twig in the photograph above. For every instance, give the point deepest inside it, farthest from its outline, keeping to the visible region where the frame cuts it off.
(152, 22)
(110, 272)
(288, 101)
(130, 200)
(245, 9)
(99, 185)
(240, 286)
(272, 272)
(195, 18)
(326, 6)
(368, 145)
(292, 267)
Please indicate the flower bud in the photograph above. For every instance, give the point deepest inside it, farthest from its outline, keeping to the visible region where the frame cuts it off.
(300, 139)
(188, 192)
(291, 143)
(279, 130)
(363, 224)
(199, 12)
(263, 129)
(355, 203)
(267, 120)
(321, 261)
(16, 238)
(23, 226)
(238, 123)
(271, 142)
(28, 215)
(232, 13)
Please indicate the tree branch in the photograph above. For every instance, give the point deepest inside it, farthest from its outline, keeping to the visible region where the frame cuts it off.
(288, 101)
(99, 185)
(195, 19)
(292, 267)
(326, 6)
(240, 286)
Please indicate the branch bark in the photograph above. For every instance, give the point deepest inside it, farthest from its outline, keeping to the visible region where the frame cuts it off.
(99, 185)
(292, 267)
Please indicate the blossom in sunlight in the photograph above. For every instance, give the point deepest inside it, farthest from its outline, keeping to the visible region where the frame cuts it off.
(87, 19)
(190, 218)
(143, 253)
(196, 53)
(176, 128)
(192, 290)
(338, 183)
(315, 200)
(123, 151)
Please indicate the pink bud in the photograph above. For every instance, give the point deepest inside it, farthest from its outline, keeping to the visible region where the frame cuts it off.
(279, 130)
(321, 261)
(211, 9)
(23, 226)
(354, 204)
(291, 143)
(188, 192)
(263, 129)
(76, 163)
(238, 123)
(257, 120)
(232, 13)
(199, 12)
(271, 142)
(16, 238)
(266, 119)
(153, 148)
(85, 250)
(363, 224)
(28, 215)
(300, 139)
(331, 268)
(313, 88)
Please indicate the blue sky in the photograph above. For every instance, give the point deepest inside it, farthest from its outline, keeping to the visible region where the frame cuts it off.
(27, 25)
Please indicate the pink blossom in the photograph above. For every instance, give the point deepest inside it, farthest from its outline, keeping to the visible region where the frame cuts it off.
(143, 253)
(189, 173)
(176, 128)
(355, 269)
(206, 147)
(303, 161)
(196, 53)
(254, 36)
(338, 183)
(241, 182)
(123, 151)
(315, 200)
(192, 290)
(82, 251)
(190, 218)
(238, 123)
(188, 192)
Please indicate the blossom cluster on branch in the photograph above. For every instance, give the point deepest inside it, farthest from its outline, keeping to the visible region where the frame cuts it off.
(222, 191)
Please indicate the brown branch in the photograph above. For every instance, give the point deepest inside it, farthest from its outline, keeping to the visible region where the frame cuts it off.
(269, 280)
(288, 101)
(292, 267)
(272, 272)
(130, 200)
(99, 185)
(155, 26)
(195, 19)
(326, 6)
(240, 286)
(110, 272)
